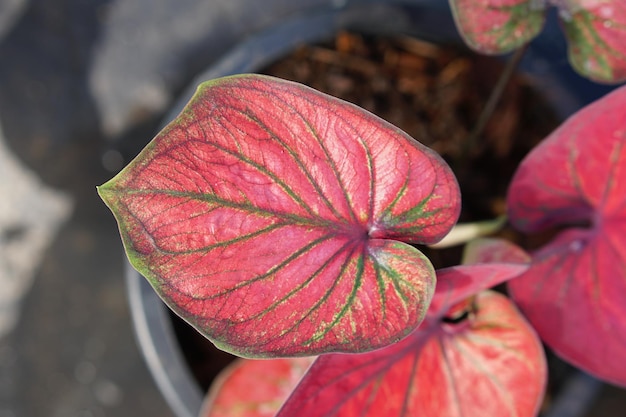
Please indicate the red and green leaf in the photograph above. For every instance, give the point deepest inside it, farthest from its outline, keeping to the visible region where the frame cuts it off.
(574, 291)
(498, 26)
(254, 388)
(596, 33)
(274, 218)
(490, 363)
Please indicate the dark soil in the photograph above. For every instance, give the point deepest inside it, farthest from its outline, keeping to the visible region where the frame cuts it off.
(436, 95)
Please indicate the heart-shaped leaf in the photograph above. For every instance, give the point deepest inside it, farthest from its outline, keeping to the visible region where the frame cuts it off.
(574, 291)
(254, 388)
(490, 364)
(270, 216)
(596, 32)
(498, 26)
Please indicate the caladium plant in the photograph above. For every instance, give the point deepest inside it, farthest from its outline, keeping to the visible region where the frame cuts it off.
(474, 355)
(283, 223)
(285, 235)
(575, 291)
(595, 30)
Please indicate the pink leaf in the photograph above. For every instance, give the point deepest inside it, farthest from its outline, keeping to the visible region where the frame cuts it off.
(493, 250)
(498, 26)
(254, 388)
(457, 283)
(490, 364)
(574, 291)
(596, 31)
(272, 216)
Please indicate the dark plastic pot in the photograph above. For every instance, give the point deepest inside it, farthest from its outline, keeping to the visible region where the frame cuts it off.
(545, 63)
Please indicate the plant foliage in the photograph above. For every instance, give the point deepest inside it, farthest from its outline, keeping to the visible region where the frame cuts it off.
(277, 219)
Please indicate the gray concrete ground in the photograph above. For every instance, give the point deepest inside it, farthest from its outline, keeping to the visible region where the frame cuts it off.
(66, 342)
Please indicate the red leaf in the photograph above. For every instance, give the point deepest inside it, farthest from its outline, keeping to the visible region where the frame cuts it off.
(498, 26)
(457, 283)
(254, 388)
(490, 364)
(596, 32)
(263, 215)
(574, 291)
(493, 250)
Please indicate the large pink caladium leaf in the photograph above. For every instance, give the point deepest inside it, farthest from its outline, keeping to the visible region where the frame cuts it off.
(575, 291)
(596, 32)
(490, 364)
(498, 26)
(254, 388)
(273, 218)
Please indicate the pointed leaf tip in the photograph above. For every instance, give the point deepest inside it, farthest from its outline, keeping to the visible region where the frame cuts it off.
(272, 217)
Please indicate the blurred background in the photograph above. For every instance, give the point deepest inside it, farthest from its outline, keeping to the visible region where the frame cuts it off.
(84, 85)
